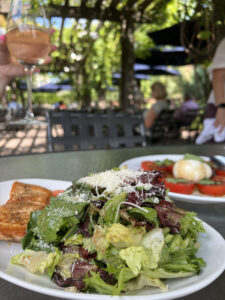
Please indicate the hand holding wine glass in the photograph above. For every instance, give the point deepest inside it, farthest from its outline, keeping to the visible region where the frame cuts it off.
(28, 39)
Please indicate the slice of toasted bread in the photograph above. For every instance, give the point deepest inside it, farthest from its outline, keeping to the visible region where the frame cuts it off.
(15, 213)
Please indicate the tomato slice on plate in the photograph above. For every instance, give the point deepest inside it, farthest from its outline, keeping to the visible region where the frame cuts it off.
(219, 178)
(170, 168)
(148, 165)
(179, 187)
(220, 171)
(215, 190)
(57, 192)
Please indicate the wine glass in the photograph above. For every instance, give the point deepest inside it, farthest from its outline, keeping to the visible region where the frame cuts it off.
(28, 40)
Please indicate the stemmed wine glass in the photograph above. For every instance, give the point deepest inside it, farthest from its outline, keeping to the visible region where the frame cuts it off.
(28, 40)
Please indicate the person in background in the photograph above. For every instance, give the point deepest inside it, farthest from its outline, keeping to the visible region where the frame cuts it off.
(62, 105)
(9, 68)
(188, 110)
(214, 122)
(159, 93)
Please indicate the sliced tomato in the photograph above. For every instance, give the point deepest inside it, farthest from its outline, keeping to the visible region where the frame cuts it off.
(220, 171)
(215, 190)
(57, 192)
(151, 166)
(218, 178)
(181, 188)
(170, 168)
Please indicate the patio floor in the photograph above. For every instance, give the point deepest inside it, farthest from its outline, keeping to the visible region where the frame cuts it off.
(15, 141)
(34, 140)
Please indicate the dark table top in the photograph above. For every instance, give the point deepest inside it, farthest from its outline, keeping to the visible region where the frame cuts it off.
(73, 165)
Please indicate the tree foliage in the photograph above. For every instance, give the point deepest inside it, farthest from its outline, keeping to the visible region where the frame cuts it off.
(90, 51)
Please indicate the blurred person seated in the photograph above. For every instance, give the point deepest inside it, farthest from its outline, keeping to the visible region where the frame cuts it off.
(14, 105)
(62, 105)
(187, 112)
(159, 93)
(214, 119)
(14, 110)
(59, 105)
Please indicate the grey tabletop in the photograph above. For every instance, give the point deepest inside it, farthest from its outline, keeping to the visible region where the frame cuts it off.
(73, 165)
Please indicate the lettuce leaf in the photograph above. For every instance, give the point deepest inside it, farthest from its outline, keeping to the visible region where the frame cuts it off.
(135, 258)
(153, 241)
(110, 211)
(99, 240)
(166, 274)
(121, 236)
(38, 261)
(65, 263)
(56, 218)
(95, 282)
(124, 275)
(76, 239)
(142, 281)
(190, 226)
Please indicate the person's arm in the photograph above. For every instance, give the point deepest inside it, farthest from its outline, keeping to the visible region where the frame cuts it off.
(218, 82)
(150, 118)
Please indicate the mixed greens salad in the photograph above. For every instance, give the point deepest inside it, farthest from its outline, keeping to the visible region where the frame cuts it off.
(112, 232)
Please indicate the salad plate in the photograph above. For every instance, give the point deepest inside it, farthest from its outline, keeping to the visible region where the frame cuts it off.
(214, 258)
(135, 164)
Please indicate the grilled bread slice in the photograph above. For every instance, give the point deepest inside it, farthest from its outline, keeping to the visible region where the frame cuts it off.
(15, 213)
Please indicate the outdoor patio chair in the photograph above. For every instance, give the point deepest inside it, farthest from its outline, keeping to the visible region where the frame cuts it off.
(68, 130)
(163, 127)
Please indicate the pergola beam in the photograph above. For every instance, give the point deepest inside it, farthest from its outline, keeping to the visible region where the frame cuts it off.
(144, 4)
(98, 4)
(130, 3)
(114, 3)
(83, 3)
(85, 12)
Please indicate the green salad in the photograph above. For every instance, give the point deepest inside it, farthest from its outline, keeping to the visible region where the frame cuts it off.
(112, 232)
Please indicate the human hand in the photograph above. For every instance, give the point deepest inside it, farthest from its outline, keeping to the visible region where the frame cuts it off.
(220, 119)
(9, 67)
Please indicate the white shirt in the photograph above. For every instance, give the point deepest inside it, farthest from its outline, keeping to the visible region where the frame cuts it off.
(218, 62)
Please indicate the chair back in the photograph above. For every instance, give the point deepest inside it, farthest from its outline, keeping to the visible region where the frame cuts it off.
(68, 130)
(162, 125)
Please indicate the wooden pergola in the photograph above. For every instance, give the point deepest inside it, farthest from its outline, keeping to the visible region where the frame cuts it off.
(126, 13)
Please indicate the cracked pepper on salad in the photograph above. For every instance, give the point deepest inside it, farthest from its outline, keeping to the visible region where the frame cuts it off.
(112, 232)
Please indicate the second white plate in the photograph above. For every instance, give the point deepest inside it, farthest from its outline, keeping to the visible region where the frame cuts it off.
(135, 164)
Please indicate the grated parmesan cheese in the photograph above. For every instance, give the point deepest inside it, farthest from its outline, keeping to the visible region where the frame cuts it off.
(115, 181)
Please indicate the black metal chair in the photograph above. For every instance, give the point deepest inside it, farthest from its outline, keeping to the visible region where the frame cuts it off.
(68, 130)
(163, 126)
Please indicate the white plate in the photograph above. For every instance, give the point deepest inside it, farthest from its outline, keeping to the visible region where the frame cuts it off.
(212, 251)
(135, 164)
